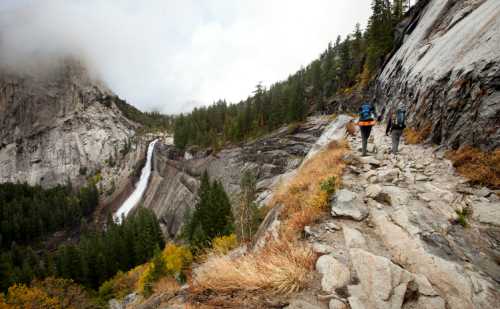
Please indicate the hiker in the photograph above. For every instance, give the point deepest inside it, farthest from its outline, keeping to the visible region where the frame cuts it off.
(395, 125)
(367, 116)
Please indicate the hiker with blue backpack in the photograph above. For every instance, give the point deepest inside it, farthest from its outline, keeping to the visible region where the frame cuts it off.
(395, 125)
(367, 116)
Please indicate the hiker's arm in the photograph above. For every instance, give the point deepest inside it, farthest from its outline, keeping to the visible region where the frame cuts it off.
(389, 126)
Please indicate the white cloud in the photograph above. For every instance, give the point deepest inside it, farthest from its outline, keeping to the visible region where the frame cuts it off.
(171, 55)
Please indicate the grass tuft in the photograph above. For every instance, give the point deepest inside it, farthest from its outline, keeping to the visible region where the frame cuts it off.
(306, 197)
(463, 215)
(281, 267)
(413, 136)
(478, 166)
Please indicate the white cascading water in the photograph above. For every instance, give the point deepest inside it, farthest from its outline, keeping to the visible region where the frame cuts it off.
(140, 187)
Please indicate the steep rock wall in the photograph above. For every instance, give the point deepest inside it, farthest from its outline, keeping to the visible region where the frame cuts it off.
(62, 125)
(448, 72)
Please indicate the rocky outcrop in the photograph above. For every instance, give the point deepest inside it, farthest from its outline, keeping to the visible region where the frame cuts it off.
(62, 125)
(174, 183)
(430, 239)
(447, 71)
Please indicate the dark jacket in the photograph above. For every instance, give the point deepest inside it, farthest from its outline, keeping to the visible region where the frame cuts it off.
(390, 125)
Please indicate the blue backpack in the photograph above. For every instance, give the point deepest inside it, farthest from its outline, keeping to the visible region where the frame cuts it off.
(366, 112)
(399, 120)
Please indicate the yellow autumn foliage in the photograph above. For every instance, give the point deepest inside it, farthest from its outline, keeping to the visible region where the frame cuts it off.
(223, 244)
(121, 284)
(176, 258)
(172, 261)
(20, 296)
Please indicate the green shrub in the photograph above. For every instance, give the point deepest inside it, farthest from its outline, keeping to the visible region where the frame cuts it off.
(463, 215)
(328, 185)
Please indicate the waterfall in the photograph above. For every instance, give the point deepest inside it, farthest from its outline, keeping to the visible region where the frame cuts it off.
(140, 187)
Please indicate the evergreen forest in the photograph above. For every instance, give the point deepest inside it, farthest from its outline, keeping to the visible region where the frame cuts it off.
(346, 66)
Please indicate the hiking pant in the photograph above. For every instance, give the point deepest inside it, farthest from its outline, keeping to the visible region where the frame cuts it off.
(365, 134)
(396, 136)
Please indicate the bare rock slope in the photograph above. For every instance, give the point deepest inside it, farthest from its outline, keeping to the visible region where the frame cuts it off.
(428, 238)
(63, 126)
(448, 71)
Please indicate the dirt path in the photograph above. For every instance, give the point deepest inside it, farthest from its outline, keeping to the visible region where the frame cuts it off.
(396, 237)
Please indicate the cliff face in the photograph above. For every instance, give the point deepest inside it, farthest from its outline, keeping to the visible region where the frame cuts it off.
(174, 182)
(60, 126)
(448, 72)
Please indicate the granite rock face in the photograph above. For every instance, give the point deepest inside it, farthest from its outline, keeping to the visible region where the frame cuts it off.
(411, 251)
(63, 125)
(448, 72)
(272, 158)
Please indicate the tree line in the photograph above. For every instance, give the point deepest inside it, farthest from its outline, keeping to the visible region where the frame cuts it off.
(28, 213)
(96, 257)
(151, 121)
(345, 66)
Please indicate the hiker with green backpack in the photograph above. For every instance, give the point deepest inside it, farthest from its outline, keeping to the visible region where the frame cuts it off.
(395, 125)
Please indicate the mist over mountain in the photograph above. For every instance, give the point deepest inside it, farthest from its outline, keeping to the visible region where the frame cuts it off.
(172, 56)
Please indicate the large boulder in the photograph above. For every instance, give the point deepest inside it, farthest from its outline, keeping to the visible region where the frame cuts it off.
(448, 277)
(334, 273)
(348, 204)
(382, 283)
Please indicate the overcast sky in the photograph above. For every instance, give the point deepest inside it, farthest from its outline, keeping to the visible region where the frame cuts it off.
(171, 55)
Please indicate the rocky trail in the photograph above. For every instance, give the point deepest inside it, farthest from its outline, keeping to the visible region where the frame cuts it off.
(396, 238)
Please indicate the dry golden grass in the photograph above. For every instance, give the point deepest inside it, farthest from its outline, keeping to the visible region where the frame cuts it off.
(285, 265)
(166, 285)
(351, 128)
(282, 267)
(478, 166)
(413, 136)
(302, 197)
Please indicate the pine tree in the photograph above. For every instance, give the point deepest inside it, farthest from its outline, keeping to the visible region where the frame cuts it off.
(357, 53)
(398, 10)
(345, 62)
(212, 216)
(247, 212)
(316, 77)
(380, 32)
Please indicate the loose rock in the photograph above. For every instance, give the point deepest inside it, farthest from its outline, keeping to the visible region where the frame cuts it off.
(383, 284)
(347, 204)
